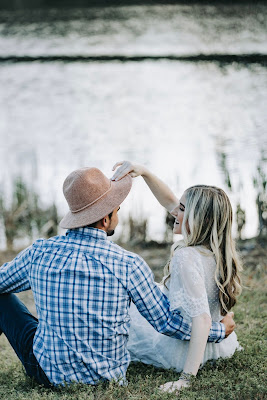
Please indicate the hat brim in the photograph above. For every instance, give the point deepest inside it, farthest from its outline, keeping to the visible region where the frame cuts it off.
(104, 206)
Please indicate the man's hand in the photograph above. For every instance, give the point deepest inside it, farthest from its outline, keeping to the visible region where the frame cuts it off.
(229, 323)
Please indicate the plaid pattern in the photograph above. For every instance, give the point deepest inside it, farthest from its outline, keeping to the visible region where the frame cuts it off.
(82, 285)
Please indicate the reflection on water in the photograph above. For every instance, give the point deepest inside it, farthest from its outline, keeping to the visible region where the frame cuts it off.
(177, 118)
(173, 117)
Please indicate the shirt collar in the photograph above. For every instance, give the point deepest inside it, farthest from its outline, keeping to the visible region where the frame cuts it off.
(95, 233)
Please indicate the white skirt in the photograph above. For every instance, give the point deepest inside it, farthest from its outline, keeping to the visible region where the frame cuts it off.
(150, 347)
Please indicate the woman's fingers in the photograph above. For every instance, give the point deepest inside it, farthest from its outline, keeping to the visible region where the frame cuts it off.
(171, 387)
(167, 387)
(117, 164)
(123, 170)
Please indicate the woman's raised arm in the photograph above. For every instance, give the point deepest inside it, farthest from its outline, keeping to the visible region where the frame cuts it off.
(160, 190)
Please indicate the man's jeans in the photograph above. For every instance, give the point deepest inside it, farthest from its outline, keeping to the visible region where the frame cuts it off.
(19, 326)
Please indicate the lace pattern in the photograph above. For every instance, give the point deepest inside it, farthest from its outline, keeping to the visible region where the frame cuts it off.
(193, 289)
(187, 283)
(192, 307)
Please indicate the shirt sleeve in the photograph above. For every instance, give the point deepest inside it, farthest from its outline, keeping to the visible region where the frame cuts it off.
(14, 274)
(155, 306)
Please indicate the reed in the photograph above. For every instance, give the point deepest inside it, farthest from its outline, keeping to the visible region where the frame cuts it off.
(23, 217)
(260, 183)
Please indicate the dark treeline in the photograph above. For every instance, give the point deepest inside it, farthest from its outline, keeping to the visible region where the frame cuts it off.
(21, 4)
(221, 59)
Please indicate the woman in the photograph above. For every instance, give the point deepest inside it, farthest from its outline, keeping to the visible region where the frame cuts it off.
(202, 279)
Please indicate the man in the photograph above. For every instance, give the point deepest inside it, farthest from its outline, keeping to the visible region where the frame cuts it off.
(82, 286)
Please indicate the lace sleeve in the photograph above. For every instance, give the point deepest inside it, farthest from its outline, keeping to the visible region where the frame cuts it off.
(187, 287)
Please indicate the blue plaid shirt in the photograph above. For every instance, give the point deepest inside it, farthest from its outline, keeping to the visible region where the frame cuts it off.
(82, 284)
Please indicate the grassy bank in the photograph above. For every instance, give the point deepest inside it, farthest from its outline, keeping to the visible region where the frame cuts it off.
(241, 377)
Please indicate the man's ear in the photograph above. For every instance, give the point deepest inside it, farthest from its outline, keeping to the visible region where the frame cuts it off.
(105, 221)
(102, 223)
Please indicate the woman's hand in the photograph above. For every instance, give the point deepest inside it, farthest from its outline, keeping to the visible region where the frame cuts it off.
(126, 167)
(171, 387)
(160, 190)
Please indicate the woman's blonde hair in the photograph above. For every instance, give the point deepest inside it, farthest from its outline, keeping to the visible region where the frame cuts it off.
(208, 222)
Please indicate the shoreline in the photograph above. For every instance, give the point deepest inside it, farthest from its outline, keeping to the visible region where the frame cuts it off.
(36, 4)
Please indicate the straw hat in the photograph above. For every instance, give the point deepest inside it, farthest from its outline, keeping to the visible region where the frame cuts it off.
(91, 196)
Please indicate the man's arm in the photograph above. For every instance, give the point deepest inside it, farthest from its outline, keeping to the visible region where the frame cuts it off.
(155, 306)
(14, 274)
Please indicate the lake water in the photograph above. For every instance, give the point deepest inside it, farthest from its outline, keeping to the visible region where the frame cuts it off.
(176, 117)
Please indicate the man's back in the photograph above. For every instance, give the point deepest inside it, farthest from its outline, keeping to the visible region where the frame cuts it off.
(82, 286)
(80, 282)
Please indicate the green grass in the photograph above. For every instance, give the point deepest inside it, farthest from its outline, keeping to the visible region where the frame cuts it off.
(241, 377)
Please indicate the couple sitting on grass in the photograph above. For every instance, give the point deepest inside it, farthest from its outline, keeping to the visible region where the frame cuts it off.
(98, 306)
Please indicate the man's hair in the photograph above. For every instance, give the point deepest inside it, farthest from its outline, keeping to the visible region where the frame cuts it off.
(93, 225)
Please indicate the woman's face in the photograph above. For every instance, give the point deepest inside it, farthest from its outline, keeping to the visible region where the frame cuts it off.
(178, 213)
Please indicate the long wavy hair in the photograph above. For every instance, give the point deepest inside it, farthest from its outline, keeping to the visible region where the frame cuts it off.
(207, 222)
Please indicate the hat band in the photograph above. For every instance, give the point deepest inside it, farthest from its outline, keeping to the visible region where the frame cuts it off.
(88, 205)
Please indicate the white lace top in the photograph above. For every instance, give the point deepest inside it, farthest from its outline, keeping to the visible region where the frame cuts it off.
(192, 287)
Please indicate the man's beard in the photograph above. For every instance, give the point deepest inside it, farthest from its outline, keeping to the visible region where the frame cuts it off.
(110, 233)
